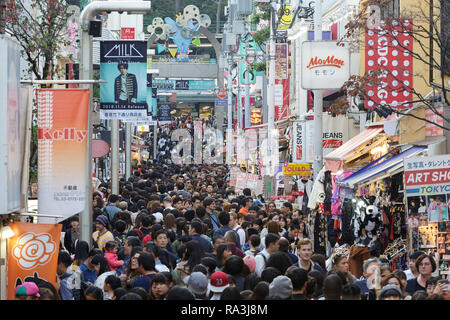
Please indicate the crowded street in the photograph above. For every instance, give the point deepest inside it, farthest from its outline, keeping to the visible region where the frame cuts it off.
(239, 150)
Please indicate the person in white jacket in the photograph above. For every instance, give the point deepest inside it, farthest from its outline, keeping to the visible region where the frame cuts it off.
(271, 242)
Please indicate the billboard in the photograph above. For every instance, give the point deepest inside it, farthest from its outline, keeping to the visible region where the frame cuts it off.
(324, 65)
(124, 65)
(62, 145)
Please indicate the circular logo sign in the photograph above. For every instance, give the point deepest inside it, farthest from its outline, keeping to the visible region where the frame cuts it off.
(222, 94)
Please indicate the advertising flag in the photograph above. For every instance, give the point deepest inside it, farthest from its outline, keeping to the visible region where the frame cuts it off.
(62, 145)
(32, 254)
(124, 65)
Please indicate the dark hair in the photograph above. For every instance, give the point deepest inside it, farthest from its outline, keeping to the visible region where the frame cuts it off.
(424, 256)
(288, 205)
(110, 245)
(120, 225)
(100, 259)
(431, 281)
(119, 293)
(298, 277)
(251, 281)
(210, 263)
(147, 261)
(271, 238)
(123, 64)
(197, 226)
(224, 218)
(351, 292)
(220, 249)
(283, 245)
(419, 295)
(415, 255)
(133, 241)
(315, 283)
(81, 252)
(94, 292)
(270, 273)
(230, 293)
(194, 253)
(113, 281)
(255, 240)
(260, 291)
(340, 274)
(201, 268)
(320, 260)
(180, 293)
(113, 197)
(332, 287)
(131, 296)
(64, 258)
(279, 260)
(140, 291)
(234, 265)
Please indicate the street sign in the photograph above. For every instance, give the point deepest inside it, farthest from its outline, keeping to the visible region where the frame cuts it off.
(222, 94)
(221, 102)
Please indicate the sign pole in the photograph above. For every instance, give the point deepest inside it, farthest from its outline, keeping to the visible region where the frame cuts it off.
(318, 99)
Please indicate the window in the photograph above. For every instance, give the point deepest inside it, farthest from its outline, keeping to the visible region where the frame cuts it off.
(391, 9)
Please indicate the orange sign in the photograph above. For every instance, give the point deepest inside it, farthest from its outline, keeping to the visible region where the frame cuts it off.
(255, 116)
(32, 253)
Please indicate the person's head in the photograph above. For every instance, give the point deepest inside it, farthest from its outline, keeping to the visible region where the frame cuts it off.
(112, 282)
(286, 208)
(230, 293)
(180, 293)
(320, 259)
(430, 284)
(370, 266)
(119, 293)
(131, 243)
(159, 287)
(224, 218)
(234, 265)
(261, 291)
(351, 292)
(402, 276)
(390, 292)
(101, 223)
(223, 252)
(93, 293)
(392, 279)
(231, 237)
(419, 295)
(64, 261)
(281, 286)
(210, 263)
(279, 260)
(385, 269)
(270, 273)
(194, 253)
(332, 287)
(131, 296)
(218, 282)
(340, 262)
(141, 292)
(304, 249)
(27, 291)
(299, 278)
(425, 265)
(123, 68)
(271, 242)
(47, 294)
(161, 238)
(146, 262)
(198, 283)
(412, 260)
(81, 251)
(111, 246)
(209, 204)
(100, 264)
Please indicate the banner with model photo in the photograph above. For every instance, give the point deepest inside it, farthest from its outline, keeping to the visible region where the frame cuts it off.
(123, 64)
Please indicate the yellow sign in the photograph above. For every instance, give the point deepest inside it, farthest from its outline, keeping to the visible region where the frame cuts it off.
(285, 17)
(173, 52)
(297, 169)
(255, 116)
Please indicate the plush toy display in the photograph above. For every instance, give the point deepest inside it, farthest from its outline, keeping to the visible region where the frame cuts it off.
(366, 223)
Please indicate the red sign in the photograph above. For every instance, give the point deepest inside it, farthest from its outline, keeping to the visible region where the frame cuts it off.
(222, 94)
(433, 176)
(299, 153)
(282, 111)
(127, 34)
(432, 130)
(331, 143)
(388, 49)
(328, 62)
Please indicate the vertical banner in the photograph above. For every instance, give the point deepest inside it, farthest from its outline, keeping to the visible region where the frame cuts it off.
(281, 98)
(389, 48)
(32, 253)
(164, 116)
(124, 65)
(62, 129)
(281, 61)
(298, 141)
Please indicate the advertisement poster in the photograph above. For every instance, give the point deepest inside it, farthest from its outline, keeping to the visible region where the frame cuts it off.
(298, 141)
(124, 65)
(164, 116)
(62, 142)
(427, 187)
(32, 254)
(389, 49)
(281, 61)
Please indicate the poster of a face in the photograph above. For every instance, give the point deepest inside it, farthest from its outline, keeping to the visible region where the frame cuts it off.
(123, 64)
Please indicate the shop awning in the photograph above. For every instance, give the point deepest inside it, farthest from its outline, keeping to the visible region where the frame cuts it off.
(370, 172)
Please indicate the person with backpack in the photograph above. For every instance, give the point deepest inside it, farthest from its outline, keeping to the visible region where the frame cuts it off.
(234, 224)
(271, 242)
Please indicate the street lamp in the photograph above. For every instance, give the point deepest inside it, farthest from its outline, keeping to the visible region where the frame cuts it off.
(86, 72)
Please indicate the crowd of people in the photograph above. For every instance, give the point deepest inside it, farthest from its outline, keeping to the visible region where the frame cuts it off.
(182, 233)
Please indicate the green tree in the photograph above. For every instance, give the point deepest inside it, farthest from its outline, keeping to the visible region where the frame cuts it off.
(40, 29)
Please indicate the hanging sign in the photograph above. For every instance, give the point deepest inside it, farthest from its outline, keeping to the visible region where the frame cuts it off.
(325, 65)
(125, 64)
(32, 253)
(297, 169)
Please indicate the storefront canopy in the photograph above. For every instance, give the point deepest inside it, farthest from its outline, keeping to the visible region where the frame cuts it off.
(370, 172)
(334, 160)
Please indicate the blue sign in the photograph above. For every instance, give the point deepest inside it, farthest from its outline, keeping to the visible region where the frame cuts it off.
(221, 102)
(174, 85)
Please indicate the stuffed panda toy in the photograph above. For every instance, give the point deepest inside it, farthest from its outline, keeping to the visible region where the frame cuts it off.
(366, 223)
(372, 221)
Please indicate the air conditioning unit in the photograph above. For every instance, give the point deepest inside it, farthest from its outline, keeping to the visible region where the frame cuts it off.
(244, 7)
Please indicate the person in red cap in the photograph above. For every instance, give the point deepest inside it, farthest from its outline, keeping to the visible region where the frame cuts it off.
(218, 283)
(27, 291)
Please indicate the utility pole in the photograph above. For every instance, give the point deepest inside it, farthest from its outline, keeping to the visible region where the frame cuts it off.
(270, 91)
(86, 72)
(127, 150)
(318, 99)
(115, 156)
(247, 81)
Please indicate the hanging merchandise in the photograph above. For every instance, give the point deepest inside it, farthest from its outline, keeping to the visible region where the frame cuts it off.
(328, 189)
